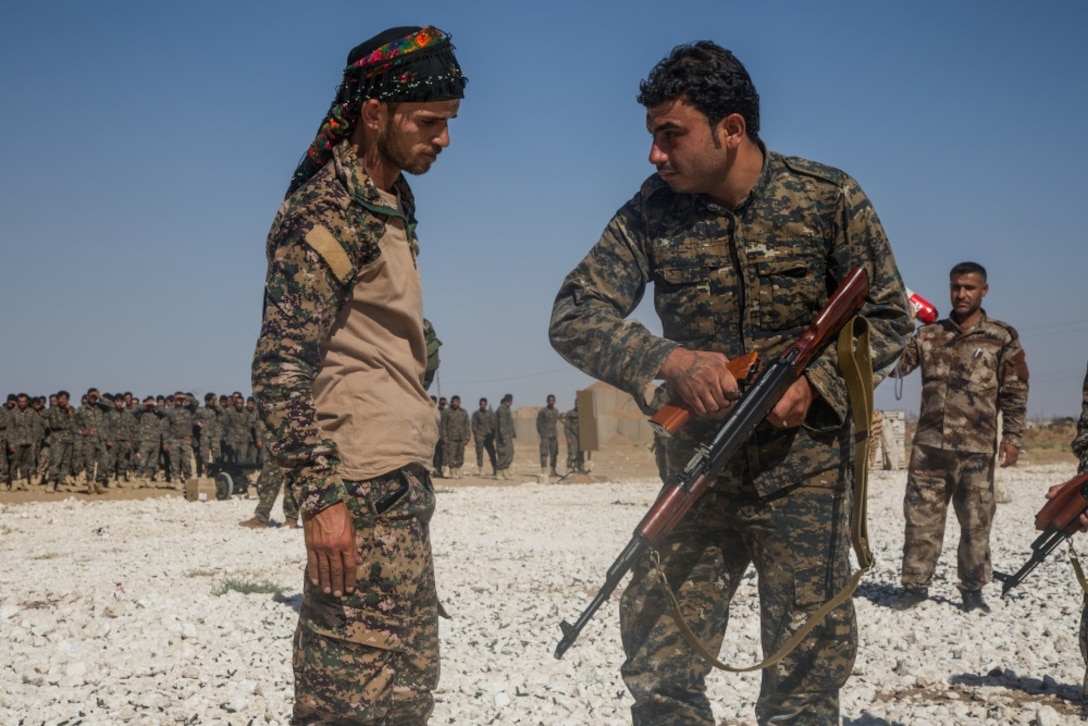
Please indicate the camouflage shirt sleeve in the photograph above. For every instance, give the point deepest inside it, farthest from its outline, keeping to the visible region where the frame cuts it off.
(588, 325)
(1012, 397)
(301, 299)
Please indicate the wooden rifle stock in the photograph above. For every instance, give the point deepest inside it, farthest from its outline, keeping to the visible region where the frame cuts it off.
(678, 496)
(674, 414)
(1058, 521)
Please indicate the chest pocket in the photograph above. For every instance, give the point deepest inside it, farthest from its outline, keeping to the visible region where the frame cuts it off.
(791, 292)
(691, 284)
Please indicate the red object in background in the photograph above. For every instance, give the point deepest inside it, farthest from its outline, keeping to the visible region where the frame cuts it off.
(922, 309)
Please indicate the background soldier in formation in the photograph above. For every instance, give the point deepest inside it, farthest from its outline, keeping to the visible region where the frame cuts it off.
(23, 431)
(5, 428)
(483, 433)
(504, 437)
(149, 429)
(546, 420)
(178, 437)
(62, 431)
(91, 440)
(439, 462)
(269, 483)
(454, 431)
(208, 434)
(973, 369)
(121, 424)
(237, 432)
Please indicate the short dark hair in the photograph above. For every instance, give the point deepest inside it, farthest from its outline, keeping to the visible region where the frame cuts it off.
(967, 268)
(710, 78)
(508, 398)
(483, 400)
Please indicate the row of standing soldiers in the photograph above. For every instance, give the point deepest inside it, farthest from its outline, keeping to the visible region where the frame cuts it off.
(493, 432)
(117, 438)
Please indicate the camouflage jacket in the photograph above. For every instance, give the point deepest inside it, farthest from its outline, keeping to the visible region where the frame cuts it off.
(546, 420)
(25, 427)
(322, 236)
(454, 425)
(207, 420)
(180, 422)
(121, 425)
(61, 423)
(235, 425)
(968, 376)
(91, 418)
(504, 423)
(483, 424)
(5, 422)
(149, 425)
(734, 281)
(1080, 443)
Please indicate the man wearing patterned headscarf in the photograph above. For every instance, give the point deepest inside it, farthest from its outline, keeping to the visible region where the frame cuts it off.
(338, 373)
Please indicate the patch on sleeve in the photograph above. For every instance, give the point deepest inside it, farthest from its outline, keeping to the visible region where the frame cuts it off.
(331, 251)
(1020, 363)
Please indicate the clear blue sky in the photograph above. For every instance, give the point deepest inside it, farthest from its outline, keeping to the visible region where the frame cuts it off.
(145, 146)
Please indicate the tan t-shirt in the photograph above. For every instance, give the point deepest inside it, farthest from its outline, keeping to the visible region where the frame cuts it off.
(368, 392)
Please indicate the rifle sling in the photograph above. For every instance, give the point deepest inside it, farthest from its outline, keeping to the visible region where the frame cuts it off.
(1077, 569)
(855, 363)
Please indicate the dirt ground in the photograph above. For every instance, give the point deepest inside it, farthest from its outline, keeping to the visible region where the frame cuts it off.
(617, 461)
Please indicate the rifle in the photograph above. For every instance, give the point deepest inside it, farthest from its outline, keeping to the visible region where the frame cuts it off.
(674, 414)
(677, 497)
(1058, 521)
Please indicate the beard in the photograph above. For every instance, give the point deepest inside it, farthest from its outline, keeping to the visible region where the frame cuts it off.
(394, 151)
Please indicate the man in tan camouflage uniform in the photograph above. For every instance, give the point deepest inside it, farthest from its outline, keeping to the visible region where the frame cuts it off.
(22, 437)
(149, 430)
(207, 424)
(454, 430)
(339, 376)
(547, 420)
(743, 246)
(973, 369)
(60, 420)
(576, 459)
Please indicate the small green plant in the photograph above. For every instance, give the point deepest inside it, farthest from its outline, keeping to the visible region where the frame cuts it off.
(246, 587)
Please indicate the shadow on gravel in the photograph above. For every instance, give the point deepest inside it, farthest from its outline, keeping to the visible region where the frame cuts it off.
(869, 720)
(295, 601)
(883, 595)
(1030, 686)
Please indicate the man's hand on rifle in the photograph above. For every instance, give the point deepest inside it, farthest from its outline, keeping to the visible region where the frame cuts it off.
(701, 379)
(1007, 454)
(791, 409)
(1082, 520)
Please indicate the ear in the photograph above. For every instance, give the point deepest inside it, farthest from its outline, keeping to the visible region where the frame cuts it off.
(370, 113)
(732, 130)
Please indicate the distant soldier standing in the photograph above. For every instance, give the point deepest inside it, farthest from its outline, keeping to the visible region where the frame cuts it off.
(547, 419)
(22, 441)
(149, 427)
(91, 430)
(61, 422)
(181, 424)
(575, 457)
(269, 483)
(5, 428)
(207, 424)
(504, 437)
(483, 433)
(454, 430)
(439, 461)
(237, 432)
(973, 369)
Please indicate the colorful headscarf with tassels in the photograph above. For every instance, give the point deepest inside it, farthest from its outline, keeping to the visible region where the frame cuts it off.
(398, 65)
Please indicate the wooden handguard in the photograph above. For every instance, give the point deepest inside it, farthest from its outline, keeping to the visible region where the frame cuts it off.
(1065, 508)
(674, 414)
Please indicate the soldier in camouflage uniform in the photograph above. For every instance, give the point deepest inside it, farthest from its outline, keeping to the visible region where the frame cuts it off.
(547, 420)
(339, 373)
(207, 424)
(504, 437)
(973, 369)
(23, 430)
(90, 420)
(743, 246)
(483, 433)
(439, 461)
(178, 436)
(1080, 450)
(237, 432)
(5, 425)
(576, 461)
(62, 432)
(121, 423)
(149, 428)
(454, 430)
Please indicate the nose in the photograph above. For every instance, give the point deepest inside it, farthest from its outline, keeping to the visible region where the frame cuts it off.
(443, 138)
(657, 156)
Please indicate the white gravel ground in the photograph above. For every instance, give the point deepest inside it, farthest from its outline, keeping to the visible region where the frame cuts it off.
(107, 615)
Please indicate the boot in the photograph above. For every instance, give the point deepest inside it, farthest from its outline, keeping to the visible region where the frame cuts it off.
(972, 600)
(554, 473)
(908, 598)
(479, 470)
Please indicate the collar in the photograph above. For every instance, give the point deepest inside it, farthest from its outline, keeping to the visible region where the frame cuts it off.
(363, 191)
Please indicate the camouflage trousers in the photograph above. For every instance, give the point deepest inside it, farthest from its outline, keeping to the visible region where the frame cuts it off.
(936, 477)
(454, 451)
(371, 657)
(119, 459)
(22, 461)
(487, 443)
(147, 459)
(181, 459)
(269, 483)
(798, 540)
(60, 464)
(549, 452)
(1084, 655)
(504, 454)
